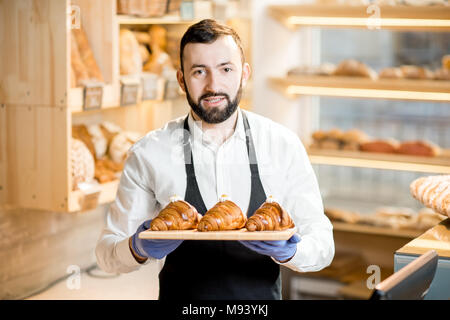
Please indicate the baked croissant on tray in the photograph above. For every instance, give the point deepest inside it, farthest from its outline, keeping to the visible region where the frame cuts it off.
(177, 215)
(270, 216)
(225, 215)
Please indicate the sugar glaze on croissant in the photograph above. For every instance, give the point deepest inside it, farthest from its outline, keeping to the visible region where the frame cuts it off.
(270, 216)
(225, 215)
(177, 215)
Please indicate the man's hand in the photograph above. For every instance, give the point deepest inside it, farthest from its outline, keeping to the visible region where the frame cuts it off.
(280, 250)
(145, 248)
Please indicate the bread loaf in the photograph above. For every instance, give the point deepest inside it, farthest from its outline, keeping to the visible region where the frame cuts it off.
(380, 146)
(225, 215)
(415, 72)
(130, 55)
(78, 68)
(342, 215)
(354, 68)
(86, 54)
(270, 216)
(419, 148)
(433, 192)
(446, 62)
(81, 163)
(391, 73)
(81, 132)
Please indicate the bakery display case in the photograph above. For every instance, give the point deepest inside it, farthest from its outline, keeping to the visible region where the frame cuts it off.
(360, 108)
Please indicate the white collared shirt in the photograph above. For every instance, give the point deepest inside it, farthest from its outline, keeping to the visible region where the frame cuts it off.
(155, 171)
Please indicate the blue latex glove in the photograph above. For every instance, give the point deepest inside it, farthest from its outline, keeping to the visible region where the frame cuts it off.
(280, 250)
(152, 248)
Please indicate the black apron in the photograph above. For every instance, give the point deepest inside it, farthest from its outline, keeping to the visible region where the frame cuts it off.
(217, 269)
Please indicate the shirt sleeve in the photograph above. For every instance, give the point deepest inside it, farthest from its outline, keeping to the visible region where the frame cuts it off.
(135, 203)
(303, 201)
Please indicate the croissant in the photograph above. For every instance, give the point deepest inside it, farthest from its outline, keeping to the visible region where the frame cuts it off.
(177, 215)
(433, 192)
(225, 215)
(270, 216)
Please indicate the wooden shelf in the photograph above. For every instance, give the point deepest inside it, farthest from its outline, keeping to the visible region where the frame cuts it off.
(358, 159)
(107, 194)
(366, 229)
(132, 20)
(110, 98)
(358, 87)
(427, 18)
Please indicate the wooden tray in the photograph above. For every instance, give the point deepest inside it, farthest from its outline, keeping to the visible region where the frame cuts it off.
(241, 234)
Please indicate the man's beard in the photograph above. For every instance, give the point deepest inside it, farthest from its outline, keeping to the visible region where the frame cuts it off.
(215, 115)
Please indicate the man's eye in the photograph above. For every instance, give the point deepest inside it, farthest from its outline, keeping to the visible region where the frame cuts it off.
(227, 69)
(198, 72)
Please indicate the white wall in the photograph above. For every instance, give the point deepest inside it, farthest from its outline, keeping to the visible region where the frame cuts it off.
(276, 49)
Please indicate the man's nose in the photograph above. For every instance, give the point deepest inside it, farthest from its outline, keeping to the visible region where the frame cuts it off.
(213, 82)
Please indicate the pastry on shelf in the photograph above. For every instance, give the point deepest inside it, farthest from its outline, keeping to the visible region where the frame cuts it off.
(82, 165)
(442, 74)
(428, 218)
(342, 215)
(130, 56)
(225, 215)
(380, 146)
(325, 69)
(419, 148)
(121, 143)
(107, 170)
(270, 216)
(446, 62)
(354, 68)
(110, 130)
(415, 72)
(79, 72)
(433, 192)
(330, 140)
(177, 215)
(86, 54)
(353, 138)
(81, 132)
(391, 217)
(390, 73)
(98, 140)
(159, 59)
(421, 3)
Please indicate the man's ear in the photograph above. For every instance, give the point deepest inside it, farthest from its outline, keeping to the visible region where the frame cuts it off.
(180, 79)
(246, 70)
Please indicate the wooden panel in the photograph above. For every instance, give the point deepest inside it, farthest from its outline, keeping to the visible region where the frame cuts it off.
(375, 249)
(36, 247)
(3, 157)
(37, 151)
(34, 54)
(241, 234)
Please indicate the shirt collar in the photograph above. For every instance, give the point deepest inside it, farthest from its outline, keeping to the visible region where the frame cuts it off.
(199, 136)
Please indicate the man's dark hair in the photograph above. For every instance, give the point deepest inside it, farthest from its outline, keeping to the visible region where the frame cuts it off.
(207, 31)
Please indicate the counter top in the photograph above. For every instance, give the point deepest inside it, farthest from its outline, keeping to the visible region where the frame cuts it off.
(437, 238)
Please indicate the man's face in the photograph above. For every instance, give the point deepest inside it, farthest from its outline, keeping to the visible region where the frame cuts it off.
(213, 78)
